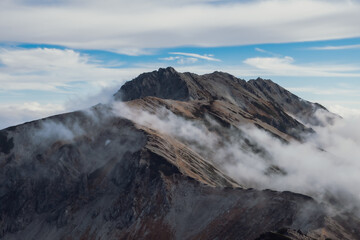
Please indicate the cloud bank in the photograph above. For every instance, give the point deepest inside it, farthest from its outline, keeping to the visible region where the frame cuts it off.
(124, 27)
(57, 70)
(325, 167)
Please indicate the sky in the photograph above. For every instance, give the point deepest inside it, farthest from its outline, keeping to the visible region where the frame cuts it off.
(63, 55)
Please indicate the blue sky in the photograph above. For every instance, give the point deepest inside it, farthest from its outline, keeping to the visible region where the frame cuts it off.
(63, 55)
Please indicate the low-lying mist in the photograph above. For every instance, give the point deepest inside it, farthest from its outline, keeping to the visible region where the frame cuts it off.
(326, 166)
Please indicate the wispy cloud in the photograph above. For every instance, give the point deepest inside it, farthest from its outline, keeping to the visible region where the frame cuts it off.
(129, 27)
(180, 59)
(195, 55)
(343, 47)
(286, 66)
(261, 50)
(267, 52)
(326, 91)
(133, 51)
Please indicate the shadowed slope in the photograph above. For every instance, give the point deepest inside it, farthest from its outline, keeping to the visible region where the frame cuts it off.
(95, 175)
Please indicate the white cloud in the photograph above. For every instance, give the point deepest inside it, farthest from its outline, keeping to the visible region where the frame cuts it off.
(14, 114)
(346, 112)
(169, 58)
(132, 51)
(195, 55)
(261, 50)
(326, 91)
(181, 59)
(17, 113)
(141, 24)
(343, 47)
(188, 60)
(285, 66)
(267, 52)
(61, 74)
(309, 170)
(57, 70)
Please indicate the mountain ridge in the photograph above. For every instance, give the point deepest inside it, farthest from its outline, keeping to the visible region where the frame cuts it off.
(263, 89)
(247, 96)
(113, 172)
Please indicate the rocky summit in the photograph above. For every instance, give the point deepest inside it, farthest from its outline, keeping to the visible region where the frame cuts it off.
(126, 170)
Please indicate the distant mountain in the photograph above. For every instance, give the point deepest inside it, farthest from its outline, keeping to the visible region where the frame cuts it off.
(100, 174)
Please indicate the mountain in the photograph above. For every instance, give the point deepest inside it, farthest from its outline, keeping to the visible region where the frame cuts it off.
(146, 166)
(262, 99)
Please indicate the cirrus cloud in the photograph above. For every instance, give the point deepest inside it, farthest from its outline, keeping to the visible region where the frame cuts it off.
(208, 57)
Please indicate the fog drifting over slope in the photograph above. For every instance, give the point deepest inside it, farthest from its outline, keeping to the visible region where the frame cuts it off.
(326, 166)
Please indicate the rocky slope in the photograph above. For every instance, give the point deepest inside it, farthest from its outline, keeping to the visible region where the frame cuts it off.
(263, 99)
(98, 174)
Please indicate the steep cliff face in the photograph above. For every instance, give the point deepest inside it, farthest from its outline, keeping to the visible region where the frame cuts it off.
(101, 174)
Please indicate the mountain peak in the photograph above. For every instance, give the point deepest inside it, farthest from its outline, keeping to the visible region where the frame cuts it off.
(164, 83)
(167, 83)
(168, 69)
